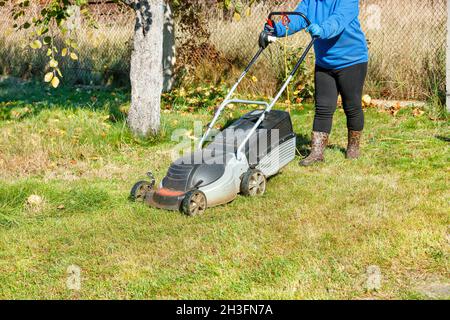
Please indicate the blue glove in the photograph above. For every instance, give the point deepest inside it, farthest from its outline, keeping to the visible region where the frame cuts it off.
(315, 30)
(271, 31)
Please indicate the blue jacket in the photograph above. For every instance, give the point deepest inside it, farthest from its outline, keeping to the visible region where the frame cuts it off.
(342, 43)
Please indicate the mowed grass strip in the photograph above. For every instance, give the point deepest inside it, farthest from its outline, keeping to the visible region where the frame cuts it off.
(313, 235)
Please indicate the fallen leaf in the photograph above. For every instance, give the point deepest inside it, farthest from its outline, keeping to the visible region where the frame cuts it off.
(418, 112)
(34, 200)
(367, 100)
(395, 109)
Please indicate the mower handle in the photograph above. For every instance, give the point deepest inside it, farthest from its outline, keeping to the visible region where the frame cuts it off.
(294, 13)
(264, 37)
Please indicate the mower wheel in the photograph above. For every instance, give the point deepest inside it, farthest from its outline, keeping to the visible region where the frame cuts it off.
(253, 183)
(194, 203)
(140, 190)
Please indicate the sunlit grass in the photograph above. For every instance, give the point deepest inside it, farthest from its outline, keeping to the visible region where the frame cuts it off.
(313, 235)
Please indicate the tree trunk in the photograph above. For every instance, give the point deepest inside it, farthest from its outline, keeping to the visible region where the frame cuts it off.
(146, 73)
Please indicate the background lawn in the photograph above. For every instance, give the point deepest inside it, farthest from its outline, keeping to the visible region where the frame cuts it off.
(313, 235)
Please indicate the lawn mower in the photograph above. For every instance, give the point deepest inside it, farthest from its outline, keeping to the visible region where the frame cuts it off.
(238, 159)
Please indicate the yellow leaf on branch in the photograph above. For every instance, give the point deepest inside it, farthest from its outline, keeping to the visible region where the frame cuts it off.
(36, 44)
(73, 56)
(53, 63)
(55, 82)
(48, 77)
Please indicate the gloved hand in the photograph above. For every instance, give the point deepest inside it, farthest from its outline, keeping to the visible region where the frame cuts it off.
(271, 31)
(315, 30)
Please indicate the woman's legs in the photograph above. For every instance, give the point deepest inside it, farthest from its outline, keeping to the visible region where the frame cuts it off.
(326, 96)
(326, 102)
(350, 84)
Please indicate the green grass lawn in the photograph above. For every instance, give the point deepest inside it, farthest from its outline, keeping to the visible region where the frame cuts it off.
(313, 235)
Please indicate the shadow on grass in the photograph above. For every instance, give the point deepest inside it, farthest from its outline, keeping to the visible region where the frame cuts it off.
(303, 145)
(337, 148)
(30, 98)
(443, 138)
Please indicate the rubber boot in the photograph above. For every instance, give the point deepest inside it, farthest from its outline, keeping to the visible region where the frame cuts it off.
(354, 142)
(318, 145)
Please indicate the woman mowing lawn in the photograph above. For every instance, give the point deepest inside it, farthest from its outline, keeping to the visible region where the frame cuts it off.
(341, 68)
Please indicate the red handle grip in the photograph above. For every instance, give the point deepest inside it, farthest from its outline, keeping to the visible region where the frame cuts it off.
(270, 23)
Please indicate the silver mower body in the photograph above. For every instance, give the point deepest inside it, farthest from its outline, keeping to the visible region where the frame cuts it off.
(218, 169)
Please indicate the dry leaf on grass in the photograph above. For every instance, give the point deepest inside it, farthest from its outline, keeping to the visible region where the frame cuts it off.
(34, 200)
(35, 203)
(367, 101)
(418, 112)
(395, 109)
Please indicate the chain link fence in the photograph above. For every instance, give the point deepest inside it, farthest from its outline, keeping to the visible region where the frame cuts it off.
(407, 40)
(104, 50)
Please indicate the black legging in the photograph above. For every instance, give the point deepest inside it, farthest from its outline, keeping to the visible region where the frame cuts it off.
(349, 82)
